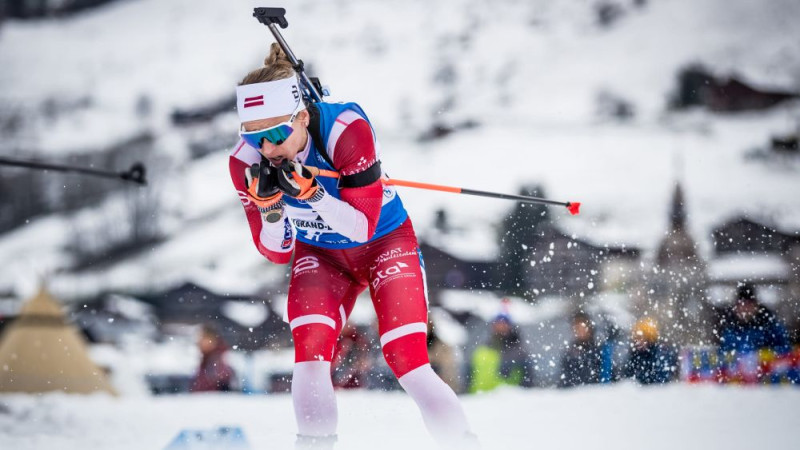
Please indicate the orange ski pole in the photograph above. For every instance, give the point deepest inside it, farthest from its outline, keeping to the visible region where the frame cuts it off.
(572, 207)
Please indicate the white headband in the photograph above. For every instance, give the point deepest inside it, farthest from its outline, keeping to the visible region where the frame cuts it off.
(267, 100)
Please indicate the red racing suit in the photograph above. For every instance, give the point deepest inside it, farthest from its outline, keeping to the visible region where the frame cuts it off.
(325, 282)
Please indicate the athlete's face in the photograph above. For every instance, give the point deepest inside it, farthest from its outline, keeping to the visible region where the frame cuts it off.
(291, 146)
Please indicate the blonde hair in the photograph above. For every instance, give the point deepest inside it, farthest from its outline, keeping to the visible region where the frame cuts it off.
(276, 67)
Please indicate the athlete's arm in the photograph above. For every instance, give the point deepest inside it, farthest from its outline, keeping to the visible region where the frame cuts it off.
(353, 152)
(273, 240)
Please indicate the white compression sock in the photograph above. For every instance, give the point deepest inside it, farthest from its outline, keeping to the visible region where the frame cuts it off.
(441, 410)
(313, 398)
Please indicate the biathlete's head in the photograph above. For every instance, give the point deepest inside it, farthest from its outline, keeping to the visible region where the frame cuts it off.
(271, 110)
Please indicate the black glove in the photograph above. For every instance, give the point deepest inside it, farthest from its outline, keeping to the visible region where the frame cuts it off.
(262, 189)
(262, 180)
(296, 180)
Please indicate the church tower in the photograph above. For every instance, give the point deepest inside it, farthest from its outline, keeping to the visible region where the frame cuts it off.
(677, 294)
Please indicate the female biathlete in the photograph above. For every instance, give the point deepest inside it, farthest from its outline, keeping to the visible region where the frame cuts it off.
(347, 235)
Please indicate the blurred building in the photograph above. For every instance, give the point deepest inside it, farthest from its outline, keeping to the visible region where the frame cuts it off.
(675, 292)
(244, 322)
(747, 250)
(697, 86)
(31, 9)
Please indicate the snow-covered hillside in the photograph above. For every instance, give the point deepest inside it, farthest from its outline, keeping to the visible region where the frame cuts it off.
(529, 73)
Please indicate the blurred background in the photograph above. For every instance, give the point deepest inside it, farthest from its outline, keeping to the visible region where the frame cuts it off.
(674, 122)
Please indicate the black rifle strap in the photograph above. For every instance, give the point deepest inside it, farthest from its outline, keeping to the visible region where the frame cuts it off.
(316, 134)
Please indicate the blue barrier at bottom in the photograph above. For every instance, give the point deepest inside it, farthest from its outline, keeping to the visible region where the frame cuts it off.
(216, 438)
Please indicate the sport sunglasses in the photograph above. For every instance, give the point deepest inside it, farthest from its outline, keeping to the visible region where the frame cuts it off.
(276, 135)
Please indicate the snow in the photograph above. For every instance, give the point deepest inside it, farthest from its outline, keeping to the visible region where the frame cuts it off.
(9, 307)
(129, 366)
(617, 306)
(481, 236)
(447, 328)
(677, 416)
(129, 307)
(748, 267)
(246, 314)
(769, 295)
(487, 305)
(363, 312)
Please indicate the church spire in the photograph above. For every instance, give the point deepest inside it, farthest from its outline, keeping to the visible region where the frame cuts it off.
(678, 210)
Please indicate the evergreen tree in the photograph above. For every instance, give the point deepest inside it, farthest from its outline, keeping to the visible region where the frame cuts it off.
(519, 231)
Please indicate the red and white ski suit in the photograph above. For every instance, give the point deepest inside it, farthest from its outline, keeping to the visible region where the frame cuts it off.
(325, 282)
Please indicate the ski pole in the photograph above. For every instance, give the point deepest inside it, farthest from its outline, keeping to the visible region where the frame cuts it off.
(272, 17)
(135, 174)
(572, 207)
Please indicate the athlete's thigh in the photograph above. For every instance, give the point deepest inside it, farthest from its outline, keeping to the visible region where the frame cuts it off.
(398, 285)
(319, 290)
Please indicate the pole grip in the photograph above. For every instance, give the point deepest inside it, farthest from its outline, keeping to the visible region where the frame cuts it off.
(317, 172)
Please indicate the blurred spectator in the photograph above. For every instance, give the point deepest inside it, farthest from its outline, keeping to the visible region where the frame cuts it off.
(582, 361)
(613, 352)
(747, 325)
(351, 359)
(443, 359)
(651, 360)
(214, 374)
(503, 360)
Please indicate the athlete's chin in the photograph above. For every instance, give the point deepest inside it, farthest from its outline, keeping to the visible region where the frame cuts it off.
(276, 162)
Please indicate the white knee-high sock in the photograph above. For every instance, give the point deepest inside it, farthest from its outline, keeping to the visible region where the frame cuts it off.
(441, 410)
(313, 398)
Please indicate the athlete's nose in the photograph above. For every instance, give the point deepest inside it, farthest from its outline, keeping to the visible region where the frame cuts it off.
(268, 149)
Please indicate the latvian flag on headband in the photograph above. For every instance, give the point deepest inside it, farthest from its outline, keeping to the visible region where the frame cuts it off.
(249, 102)
(268, 99)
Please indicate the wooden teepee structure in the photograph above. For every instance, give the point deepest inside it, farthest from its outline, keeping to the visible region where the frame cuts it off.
(40, 351)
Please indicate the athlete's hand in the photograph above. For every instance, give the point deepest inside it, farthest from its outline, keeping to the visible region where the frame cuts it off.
(262, 189)
(297, 181)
